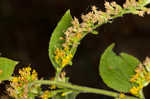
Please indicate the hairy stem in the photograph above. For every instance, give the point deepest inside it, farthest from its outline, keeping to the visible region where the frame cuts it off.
(81, 88)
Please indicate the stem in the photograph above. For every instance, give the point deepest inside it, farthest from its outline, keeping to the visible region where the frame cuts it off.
(142, 95)
(81, 88)
(58, 71)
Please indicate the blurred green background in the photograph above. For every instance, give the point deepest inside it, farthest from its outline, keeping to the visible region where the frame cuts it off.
(26, 27)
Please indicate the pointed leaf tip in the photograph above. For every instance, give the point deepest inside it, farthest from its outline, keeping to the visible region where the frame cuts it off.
(55, 41)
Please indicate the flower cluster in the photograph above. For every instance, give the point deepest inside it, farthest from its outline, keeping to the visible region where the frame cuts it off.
(45, 95)
(137, 4)
(141, 78)
(61, 58)
(20, 85)
(91, 21)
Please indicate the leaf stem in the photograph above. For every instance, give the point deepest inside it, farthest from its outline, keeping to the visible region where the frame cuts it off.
(81, 88)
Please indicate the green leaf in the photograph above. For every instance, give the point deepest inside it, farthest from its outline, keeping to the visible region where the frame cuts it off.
(69, 96)
(116, 71)
(55, 41)
(7, 67)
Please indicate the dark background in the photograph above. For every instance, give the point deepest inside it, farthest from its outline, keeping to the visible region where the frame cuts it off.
(26, 27)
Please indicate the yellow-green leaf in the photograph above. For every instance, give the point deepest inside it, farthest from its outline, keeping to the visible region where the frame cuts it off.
(6, 68)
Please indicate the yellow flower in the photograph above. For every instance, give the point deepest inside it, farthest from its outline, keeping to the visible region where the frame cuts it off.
(134, 78)
(66, 60)
(21, 72)
(28, 69)
(135, 90)
(79, 35)
(15, 79)
(122, 96)
(66, 48)
(45, 95)
(53, 87)
(33, 77)
(59, 52)
(63, 94)
(56, 57)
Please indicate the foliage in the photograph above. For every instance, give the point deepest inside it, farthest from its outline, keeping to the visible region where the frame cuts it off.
(55, 42)
(121, 68)
(124, 73)
(6, 68)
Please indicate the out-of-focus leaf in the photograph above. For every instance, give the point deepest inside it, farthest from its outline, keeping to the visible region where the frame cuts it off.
(116, 71)
(6, 68)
